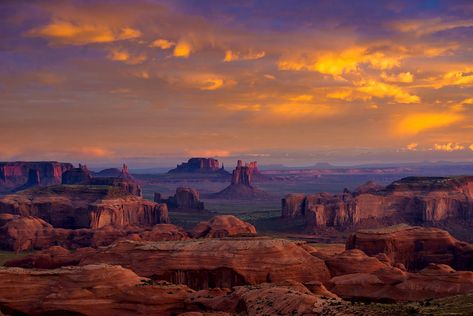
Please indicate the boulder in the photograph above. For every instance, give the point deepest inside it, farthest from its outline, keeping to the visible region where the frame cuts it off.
(414, 247)
(223, 226)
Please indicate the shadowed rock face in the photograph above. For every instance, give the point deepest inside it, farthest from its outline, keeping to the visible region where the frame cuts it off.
(187, 199)
(199, 165)
(414, 247)
(16, 174)
(223, 226)
(84, 206)
(413, 200)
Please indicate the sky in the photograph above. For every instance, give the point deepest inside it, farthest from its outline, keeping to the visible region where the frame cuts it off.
(153, 83)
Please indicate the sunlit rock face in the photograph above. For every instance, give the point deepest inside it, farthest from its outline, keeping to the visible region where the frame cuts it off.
(223, 226)
(413, 200)
(83, 206)
(185, 199)
(414, 247)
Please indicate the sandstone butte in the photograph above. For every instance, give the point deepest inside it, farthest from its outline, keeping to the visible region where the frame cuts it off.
(223, 226)
(411, 200)
(185, 199)
(199, 165)
(241, 186)
(84, 206)
(223, 262)
(414, 247)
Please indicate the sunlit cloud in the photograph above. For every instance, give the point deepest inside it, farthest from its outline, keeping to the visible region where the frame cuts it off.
(453, 78)
(209, 153)
(64, 32)
(449, 147)
(162, 43)
(428, 26)
(382, 90)
(297, 110)
(183, 49)
(412, 146)
(471, 147)
(212, 84)
(415, 123)
(234, 56)
(242, 107)
(125, 57)
(302, 97)
(404, 77)
(94, 151)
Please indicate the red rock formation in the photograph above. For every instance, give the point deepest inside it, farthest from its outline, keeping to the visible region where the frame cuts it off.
(216, 262)
(15, 174)
(241, 187)
(80, 175)
(223, 226)
(185, 199)
(199, 165)
(353, 261)
(393, 284)
(89, 290)
(413, 200)
(414, 247)
(84, 207)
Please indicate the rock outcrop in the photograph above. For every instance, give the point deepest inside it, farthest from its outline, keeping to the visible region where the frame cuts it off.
(185, 199)
(82, 176)
(199, 165)
(88, 290)
(394, 285)
(353, 261)
(414, 247)
(223, 226)
(241, 185)
(413, 200)
(85, 206)
(17, 174)
(205, 263)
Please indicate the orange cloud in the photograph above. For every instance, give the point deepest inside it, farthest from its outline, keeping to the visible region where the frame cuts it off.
(233, 56)
(428, 26)
(183, 49)
(65, 32)
(212, 84)
(382, 90)
(125, 57)
(449, 147)
(95, 151)
(162, 43)
(404, 77)
(454, 78)
(301, 110)
(242, 107)
(209, 153)
(412, 146)
(415, 123)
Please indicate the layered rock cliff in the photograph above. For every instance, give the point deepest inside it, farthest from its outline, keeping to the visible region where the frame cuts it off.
(185, 199)
(199, 165)
(413, 200)
(82, 206)
(16, 174)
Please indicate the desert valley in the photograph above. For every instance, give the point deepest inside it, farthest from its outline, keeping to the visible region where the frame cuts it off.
(236, 158)
(79, 242)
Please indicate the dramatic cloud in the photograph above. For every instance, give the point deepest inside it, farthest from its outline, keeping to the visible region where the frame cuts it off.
(415, 123)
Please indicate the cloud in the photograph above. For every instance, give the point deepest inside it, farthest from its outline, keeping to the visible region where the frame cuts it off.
(429, 26)
(94, 151)
(404, 77)
(234, 56)
(183, 49)
(382, 90)
(471, 147)
(209, 153)
(65, 32)
(412, 146)
(453, 78)
(416, 123)
(297, 110)
(162, 43)
(302, 97)
(125, 57)
(242, 107)
(449, 147)
(212, 84)
(338, 63)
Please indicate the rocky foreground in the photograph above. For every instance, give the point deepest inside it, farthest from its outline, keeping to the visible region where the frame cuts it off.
(177, 273)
